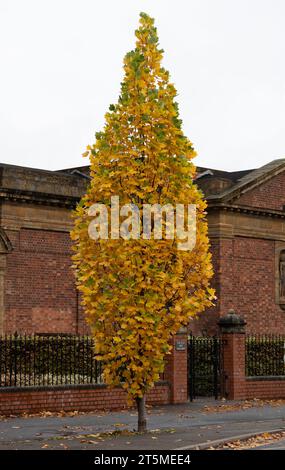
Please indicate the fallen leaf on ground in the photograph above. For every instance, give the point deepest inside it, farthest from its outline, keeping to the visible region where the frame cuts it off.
(252, 442)
(244, 405)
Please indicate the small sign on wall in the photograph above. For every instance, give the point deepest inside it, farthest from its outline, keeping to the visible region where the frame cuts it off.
(180, 345)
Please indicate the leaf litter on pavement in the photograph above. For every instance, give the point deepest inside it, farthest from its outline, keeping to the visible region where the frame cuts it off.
(244, 405)
(251, 442)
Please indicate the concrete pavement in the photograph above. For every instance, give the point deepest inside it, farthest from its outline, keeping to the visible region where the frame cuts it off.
(170, 427)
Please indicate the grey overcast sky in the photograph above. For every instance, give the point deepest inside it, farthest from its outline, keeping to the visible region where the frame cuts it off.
(61, 67)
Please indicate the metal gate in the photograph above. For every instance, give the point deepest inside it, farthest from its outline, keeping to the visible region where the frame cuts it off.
(205, 359)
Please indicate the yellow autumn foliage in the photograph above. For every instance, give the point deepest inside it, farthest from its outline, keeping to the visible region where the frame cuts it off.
(137, 293)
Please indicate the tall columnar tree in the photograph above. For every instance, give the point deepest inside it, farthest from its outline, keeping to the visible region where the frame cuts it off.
(137, 293)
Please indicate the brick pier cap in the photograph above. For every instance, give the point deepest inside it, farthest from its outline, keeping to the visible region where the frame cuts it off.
(232, 323)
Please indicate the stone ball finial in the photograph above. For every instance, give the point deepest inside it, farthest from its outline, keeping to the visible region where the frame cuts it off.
(232, 323)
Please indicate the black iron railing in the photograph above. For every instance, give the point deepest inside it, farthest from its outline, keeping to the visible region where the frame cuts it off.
(43, 360)
(204, 366)
(265, 355)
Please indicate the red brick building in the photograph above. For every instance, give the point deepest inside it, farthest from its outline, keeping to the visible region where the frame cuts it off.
(246, 226)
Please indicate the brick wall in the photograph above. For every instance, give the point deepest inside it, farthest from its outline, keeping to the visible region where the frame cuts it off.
(254, 285)
(40, 294)
(235, 384)
(245, 281)
(206, 322)
(173, 389)
(176, 369)
(70, 398)
(233, 366)
(245, 267)
(262, 389)
(269, 195)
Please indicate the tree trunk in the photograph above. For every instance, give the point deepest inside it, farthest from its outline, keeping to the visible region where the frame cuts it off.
(141, 414)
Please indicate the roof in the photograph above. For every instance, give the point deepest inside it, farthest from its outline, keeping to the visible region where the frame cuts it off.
(231, 175)
(250, 180)
(219, 187)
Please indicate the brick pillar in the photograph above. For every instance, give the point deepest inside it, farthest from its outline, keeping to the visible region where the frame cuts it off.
(2, 291)
(232, 328)
(176, 368)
